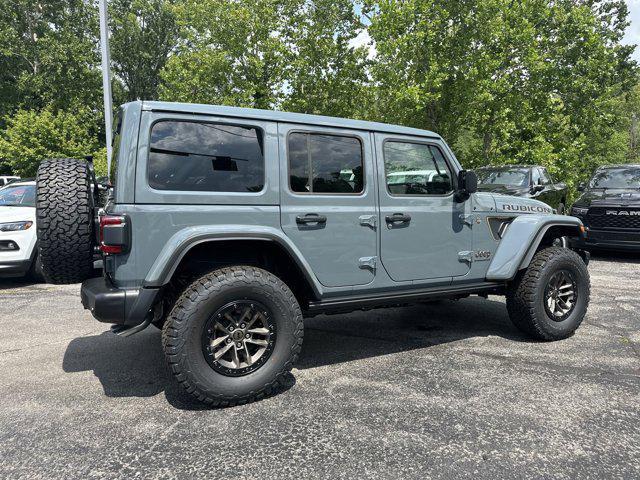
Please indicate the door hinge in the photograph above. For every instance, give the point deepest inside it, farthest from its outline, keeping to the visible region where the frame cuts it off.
(465, 256)
(368, 221)
(467, 218)
(367, 262)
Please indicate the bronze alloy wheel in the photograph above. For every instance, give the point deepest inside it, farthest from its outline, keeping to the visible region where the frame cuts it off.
(560, 295)
(238, 338)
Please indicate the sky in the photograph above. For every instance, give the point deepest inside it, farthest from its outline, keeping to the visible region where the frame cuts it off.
(633, 31)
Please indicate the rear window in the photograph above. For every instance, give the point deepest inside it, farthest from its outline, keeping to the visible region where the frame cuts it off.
(321, 163)
(204, 156)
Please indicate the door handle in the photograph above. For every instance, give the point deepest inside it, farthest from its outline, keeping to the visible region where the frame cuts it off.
(310, 218)
(398, 218)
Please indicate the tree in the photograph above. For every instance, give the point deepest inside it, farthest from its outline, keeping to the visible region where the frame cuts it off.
(291, 54)
(230, 52)
(504, 82)
(32, 136)
(325, 74)
(144, 32)
(48, 54)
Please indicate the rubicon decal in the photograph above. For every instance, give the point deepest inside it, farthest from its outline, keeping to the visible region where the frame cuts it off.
(526, 208)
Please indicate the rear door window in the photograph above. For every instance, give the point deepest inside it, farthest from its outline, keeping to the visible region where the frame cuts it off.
(320, 163)
(205, 156)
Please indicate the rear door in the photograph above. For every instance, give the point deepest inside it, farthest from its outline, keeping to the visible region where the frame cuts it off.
(422, 227)
(328, 203)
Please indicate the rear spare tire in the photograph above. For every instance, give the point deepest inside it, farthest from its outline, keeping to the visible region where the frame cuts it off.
(65, 220)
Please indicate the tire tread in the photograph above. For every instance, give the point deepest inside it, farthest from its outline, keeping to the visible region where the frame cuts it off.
(213, 283)
(521, 293)
(64, 216)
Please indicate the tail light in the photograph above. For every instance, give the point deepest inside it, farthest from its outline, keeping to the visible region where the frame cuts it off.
(114, 234)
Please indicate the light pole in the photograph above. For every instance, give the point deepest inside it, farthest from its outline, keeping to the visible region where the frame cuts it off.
(106, 78)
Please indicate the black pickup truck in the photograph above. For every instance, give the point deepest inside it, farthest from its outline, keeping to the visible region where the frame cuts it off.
(609, 207)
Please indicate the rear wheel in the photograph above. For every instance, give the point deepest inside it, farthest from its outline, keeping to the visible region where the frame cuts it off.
(549, 299)
(65, 220)
(233, 335)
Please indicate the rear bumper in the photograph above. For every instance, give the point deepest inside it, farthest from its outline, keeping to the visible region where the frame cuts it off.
(15, 268)
(610, 240)
(122, 306)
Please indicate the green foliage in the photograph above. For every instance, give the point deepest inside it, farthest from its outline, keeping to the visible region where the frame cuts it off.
(48, 54)
(532, 81)
(290, 54)
(230, 52)
(143, 36)
(325, 74)
(32, 136)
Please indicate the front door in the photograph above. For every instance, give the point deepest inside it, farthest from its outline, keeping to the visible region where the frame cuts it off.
(423, 230)
(328, 206)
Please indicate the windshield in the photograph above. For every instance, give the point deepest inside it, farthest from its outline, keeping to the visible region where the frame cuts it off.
(18, 196)
(619, 177)
(503, 176)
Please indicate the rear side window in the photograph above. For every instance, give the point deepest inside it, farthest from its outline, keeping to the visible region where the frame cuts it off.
(416, 169)
(209, 157)
(320, 163)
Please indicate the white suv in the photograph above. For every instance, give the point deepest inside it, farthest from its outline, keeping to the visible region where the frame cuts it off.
(18, 252)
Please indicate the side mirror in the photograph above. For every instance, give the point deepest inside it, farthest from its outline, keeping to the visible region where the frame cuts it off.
(581, 187)
(467, 184)
(537, 188)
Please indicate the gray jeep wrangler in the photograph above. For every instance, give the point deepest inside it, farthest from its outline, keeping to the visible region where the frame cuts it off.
(225, 226)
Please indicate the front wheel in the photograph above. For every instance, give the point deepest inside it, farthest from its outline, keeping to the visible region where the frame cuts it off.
(233, 335)
(549, 299)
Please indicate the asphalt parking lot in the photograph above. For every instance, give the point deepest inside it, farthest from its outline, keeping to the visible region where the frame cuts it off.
(449, 390)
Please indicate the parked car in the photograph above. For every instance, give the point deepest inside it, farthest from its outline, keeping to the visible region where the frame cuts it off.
(18, 253)
(610, 208)
(524, 181)
(227, 225)
(5, 180)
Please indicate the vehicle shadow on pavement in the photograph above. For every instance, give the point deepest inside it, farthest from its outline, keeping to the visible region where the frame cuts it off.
(342, 338)
(135, 366)
(22, 282)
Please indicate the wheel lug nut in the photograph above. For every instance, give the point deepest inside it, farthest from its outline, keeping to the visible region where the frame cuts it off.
(239, 344)
(228, 340)
(247, 335)
(231, 328)
(242, 325)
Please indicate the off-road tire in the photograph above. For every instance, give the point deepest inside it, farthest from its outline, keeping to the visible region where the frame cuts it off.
(35, 272)
(182, 331)
(65, 220)
(525, 295)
